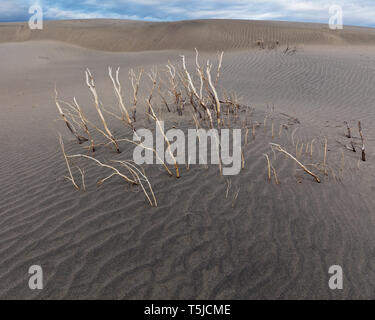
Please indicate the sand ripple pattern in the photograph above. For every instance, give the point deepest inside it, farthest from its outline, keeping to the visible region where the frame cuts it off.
(270, 242)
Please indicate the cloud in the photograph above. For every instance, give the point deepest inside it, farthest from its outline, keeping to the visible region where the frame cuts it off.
(356, 12)
(13, 10)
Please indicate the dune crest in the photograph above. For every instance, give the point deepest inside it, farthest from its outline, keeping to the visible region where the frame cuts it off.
(208, 35)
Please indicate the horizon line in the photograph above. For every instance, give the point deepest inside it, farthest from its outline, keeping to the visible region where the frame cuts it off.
(186, 20)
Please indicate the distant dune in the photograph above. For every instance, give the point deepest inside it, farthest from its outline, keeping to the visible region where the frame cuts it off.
(126, 35)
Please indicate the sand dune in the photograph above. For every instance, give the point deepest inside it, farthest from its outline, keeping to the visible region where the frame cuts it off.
(120, 35)
(269, 242)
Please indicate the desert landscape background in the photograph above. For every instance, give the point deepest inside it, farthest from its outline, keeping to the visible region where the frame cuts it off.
(211, 237)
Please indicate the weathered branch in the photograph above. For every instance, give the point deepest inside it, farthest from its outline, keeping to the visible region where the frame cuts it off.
(280, 149)
(363, 141)
(91, 85)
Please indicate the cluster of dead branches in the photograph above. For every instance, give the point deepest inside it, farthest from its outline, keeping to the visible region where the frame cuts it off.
(137, 175)
(176, 86)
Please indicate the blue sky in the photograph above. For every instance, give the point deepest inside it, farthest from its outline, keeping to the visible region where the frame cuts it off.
(355, 12)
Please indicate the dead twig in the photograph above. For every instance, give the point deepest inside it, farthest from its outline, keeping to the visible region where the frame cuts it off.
(91, 85)
(349, 134)
(268, 167)
(363, 141)
(135, 81)
(70, 178)
(118, 90)
(70, 126)
(165, 139)
(280, 149)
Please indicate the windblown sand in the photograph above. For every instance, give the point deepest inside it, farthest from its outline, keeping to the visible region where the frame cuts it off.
(205, 240)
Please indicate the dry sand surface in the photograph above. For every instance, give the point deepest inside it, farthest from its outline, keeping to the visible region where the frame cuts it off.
(239, 237)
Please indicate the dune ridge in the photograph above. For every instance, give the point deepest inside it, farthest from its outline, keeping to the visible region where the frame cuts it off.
(209, 35)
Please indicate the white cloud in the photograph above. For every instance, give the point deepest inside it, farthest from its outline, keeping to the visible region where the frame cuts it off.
(360, 12)
(56, 13)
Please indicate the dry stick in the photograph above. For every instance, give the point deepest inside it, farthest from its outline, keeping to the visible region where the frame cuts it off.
(126, 164)
(349, 135)
(163, 98)
(231, 102)
(268, 167)
(166, 140)
(293, 133)
(190, 95)
(148, 148)
(300, 151)
(353, 147)
(199, 71)
(274, 154)
(220, 56)
(118, 91)
(363, 141)
(229, 183)
(235, 196)
(275, 174)
(83, 120)
(214, 92)
(311, 147)
(171, 72)
(116, 171)
(195, 91)
(90, 83)
(99, 130)
(84, 123)
(135, 171)
(342, 164)
(217, 144)
(325, 156)
(71, 178)
(265, 122)
(135, 81)
(70, 126)
(153, 77)
(83, 178)
(278, 148)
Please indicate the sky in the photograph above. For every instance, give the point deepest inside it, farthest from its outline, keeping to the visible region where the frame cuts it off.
(355, 12)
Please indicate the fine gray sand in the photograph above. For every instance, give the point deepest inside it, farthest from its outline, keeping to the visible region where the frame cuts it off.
(211, 237)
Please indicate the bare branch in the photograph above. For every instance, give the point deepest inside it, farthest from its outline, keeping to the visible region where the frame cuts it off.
(70, 126)
(118, 91)
(70, 178)
(91, 85)
(280, 149)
